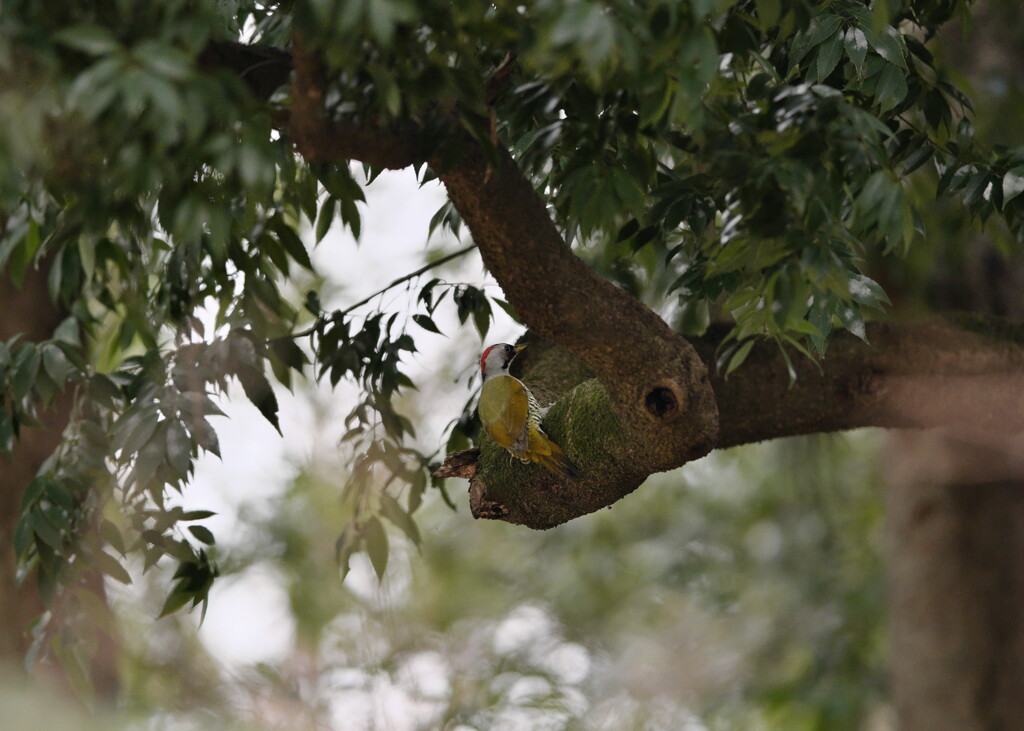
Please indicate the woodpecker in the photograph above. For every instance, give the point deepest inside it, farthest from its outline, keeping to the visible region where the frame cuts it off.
(512, 416)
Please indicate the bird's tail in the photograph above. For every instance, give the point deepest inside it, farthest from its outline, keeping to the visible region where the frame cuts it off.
(554, 460)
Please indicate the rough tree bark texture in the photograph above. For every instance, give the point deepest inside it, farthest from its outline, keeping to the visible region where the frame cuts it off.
(938, 372)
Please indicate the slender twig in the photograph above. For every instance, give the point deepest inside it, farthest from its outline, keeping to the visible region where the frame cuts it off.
(405, 278)
(498, 80)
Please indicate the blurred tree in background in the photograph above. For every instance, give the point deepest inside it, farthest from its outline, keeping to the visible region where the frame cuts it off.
(699, 210)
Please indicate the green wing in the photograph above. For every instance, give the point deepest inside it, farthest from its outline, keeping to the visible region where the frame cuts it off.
(503, 409)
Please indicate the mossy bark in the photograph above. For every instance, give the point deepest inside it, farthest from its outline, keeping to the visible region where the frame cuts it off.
(932, 373)
(585, 426)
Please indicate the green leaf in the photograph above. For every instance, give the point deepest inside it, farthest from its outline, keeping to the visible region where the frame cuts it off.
(888, 43)
(179, 448)
(326, 217)
(740, 355)
(288, 352)
(823, 26)
(22, 536)
(891, 88)
(47, 530)
(294, 246)
(205, 436)
(203, 534)
(391, 510)
(135, 429)
(175, 601)
(56, 364)
(112, 535)
(91, 39)
(1013, 184)
(917, 158)
(426, 323)
(856, 44)
(376, 546)
(482, 316)
(789, 365)
(111, 567)
(405, 342)
(853, 320)
(344, 547)
(828, 56)
(867, 291)
(6, 431)
(258, 390)
(57, 493)
(32, 493)
(27, 360)
(820, 318)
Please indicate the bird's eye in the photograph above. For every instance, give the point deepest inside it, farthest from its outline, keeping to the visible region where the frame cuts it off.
(509, 349)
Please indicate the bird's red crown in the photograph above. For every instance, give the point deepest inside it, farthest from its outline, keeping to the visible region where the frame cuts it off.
(483, 358)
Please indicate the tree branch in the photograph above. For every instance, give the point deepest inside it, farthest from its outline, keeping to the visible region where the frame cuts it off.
(264, 69)
(653, 377)
(320, 321)
(650, 408)
(938, 373)
(963, 374)
(318, 138)
(944, 372)
(651, 385)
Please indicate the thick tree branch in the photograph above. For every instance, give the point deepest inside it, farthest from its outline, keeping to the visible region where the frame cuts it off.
(652, 375)
(969, 375)
(650, 408)
(936, 373)
(948, 372)
(651, 385)
(316, 137)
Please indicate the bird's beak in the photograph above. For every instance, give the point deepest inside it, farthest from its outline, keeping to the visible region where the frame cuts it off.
(520, 348)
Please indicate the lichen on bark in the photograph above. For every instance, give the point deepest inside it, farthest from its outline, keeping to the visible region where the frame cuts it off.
(584, 421)
(588, 430)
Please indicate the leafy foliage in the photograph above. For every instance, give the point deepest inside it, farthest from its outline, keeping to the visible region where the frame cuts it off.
(740, 158)
(747, 594)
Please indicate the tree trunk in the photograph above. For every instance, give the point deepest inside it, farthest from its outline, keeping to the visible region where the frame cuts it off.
(29, 311)
(956, 538)
(955, 509)
(955, 503)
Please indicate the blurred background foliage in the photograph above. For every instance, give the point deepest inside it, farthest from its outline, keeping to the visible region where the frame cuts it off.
(745, 591)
